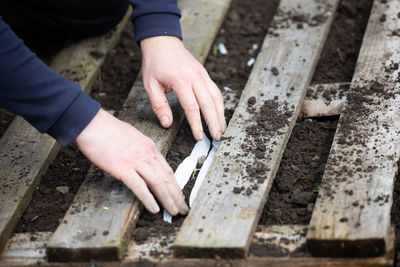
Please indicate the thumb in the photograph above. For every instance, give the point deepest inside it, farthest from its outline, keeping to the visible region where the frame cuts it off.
(159, 104)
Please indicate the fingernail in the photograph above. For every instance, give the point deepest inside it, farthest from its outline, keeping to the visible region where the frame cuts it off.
(224, 126)
(164, 120)
(218, 136)
(174, 210)
(184, 209)
(200, 135)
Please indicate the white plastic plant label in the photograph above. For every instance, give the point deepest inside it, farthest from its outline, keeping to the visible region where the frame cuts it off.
(203, 172)
(186, 168)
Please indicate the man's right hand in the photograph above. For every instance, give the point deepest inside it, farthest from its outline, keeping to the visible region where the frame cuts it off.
(122, 151)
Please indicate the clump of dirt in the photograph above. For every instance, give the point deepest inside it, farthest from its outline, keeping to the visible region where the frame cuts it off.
(328, 95)
(339, 56)
(48, 204)
(269, 119)
(296, 185)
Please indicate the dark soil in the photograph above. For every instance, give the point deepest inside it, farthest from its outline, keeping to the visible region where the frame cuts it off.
(5, 119)
(395, 216)
(296, 185)
(339, 56)
(48, 205)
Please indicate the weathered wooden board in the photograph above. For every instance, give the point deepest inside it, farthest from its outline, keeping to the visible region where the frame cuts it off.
(324, 100)
(25, 154)
(74, 241)
(352, 214)
(29, 249)
(228, 206)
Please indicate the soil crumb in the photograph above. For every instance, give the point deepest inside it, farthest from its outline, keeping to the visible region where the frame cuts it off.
(296, 185)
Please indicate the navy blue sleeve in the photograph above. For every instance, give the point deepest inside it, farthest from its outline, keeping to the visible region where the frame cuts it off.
(47, 100)
(155, 18)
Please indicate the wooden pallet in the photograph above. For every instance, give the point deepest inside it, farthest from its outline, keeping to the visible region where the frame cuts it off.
(228, 230)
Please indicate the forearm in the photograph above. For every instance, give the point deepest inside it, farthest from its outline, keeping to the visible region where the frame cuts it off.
(44, 98)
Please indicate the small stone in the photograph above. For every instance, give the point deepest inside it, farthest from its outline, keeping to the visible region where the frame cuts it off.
(62, 189)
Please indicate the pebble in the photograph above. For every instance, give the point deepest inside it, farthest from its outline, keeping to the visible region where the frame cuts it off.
(62, 189)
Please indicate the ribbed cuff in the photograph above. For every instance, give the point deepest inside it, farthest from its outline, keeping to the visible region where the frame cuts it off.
(157, 24)
(74, 119)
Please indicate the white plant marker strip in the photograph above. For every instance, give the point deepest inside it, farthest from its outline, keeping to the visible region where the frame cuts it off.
(227, 89)
(222, 49)
(250, 62)
(185, 169)
(203, 172)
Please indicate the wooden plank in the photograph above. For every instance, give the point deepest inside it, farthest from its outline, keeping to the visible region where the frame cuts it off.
(25, 154)
(352, 213)
(324, 100)
(200, 23)
(27, 249)
(223, 218)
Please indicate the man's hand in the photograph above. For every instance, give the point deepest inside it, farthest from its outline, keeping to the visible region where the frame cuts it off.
(167, 65)
(121, 150)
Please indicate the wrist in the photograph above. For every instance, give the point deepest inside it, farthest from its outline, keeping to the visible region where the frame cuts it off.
(156, 42)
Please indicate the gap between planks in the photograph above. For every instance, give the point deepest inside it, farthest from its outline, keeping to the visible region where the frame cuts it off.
(88, 230)
(25, 154)
(352, 214)
(221, 223)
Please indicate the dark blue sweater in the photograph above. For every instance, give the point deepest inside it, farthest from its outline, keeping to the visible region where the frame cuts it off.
(50, 102)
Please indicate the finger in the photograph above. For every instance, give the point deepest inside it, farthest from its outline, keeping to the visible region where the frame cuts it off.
(135, 183)
(154, 177)
(189, 104)
(159, 103)
(173, 186)
(208, 108)
(218, 101)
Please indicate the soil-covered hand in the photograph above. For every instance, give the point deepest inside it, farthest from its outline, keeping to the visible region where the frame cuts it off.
(167, 65)
(121, 150)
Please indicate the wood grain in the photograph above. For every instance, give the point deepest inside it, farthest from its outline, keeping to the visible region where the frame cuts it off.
(25, 154)
(221, 222)
(75, 240)
(352, 213)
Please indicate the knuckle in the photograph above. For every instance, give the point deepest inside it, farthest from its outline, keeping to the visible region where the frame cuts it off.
(206, 105)
(192, 107)
(159, 105)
